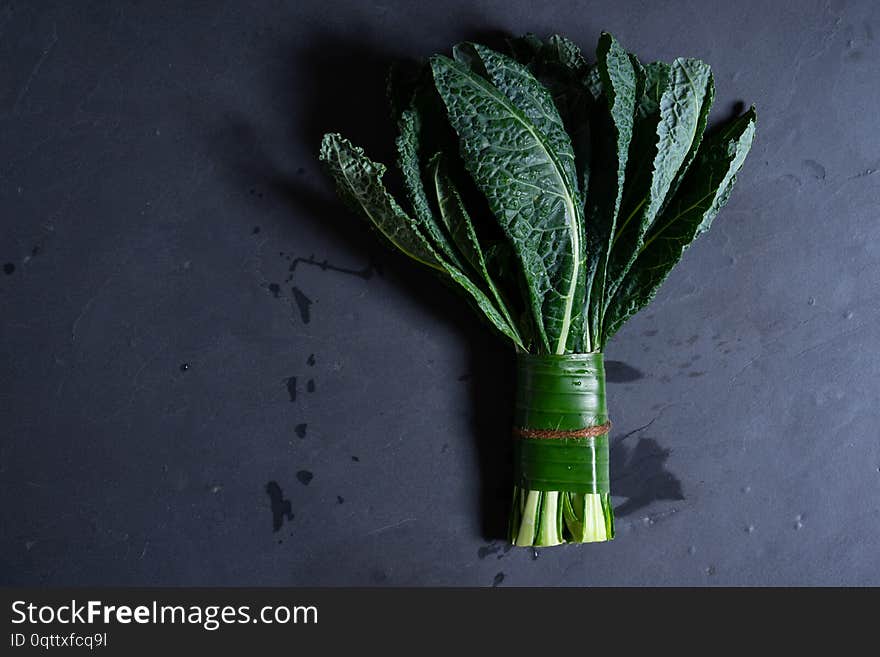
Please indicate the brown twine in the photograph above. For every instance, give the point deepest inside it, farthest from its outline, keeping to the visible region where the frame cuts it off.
(587, 432)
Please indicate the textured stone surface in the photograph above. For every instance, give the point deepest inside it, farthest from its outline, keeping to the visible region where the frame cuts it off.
(211, 373)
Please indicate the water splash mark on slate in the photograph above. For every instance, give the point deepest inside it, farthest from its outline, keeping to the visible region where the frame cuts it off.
(311, 360)
(300, 429)
(640, 475)
(366, 273)
(304, 477)
(310, 385)
(280, 507)
(291, 387)
(816, 169)
(275, 289)
(486, 550)
(8, 268)
(498, 579)
(355, 459)
(256, 230)
(494, 548)
(619, 372)
(340, 499)
(864, 173)
(303, 303)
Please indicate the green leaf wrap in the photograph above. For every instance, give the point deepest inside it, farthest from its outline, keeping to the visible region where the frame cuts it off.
(562, 393)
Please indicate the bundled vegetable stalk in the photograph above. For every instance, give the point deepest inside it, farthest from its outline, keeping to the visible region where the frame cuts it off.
(557, 194)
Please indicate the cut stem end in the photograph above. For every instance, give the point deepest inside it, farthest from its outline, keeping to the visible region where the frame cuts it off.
(547, 518)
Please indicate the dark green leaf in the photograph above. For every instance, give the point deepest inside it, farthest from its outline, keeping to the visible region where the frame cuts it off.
(561, 63)
(479, 298)
(532, 99)
(527, 183)
(594, 82)
(359, 183)
(402, 83)
(459, 226)
(408, 160)
(673, 133)
(560, 66)
(501, 260)
(703, 193)
(466, 54)
(615, 124)
(656, 78)
(708, 99)
(565, 53)
(641, 76)
(525, 49)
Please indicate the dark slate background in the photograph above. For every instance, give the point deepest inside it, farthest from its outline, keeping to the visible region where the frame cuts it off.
(211, 373)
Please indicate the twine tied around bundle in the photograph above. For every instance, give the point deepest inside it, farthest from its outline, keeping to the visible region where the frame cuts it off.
(587, 432)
